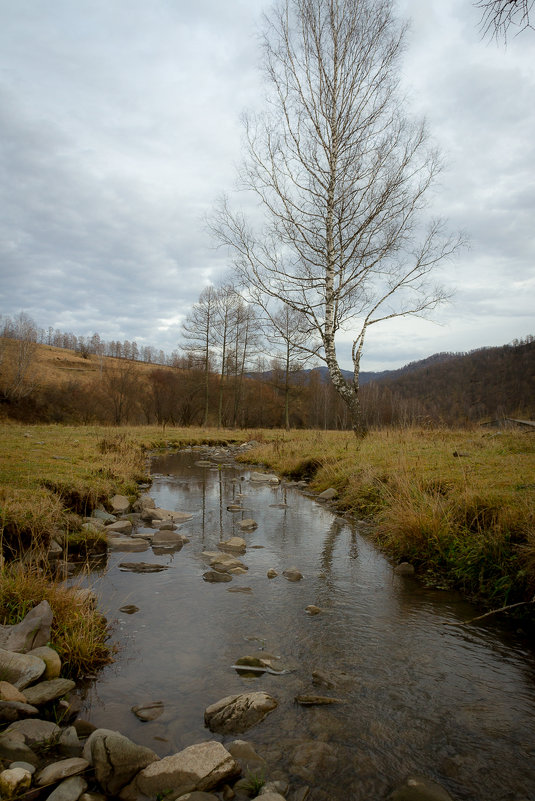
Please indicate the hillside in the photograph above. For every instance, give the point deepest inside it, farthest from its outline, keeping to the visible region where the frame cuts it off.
(43, 383)
(483, 385)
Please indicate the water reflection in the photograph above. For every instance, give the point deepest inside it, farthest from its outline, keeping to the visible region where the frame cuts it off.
(453, 703)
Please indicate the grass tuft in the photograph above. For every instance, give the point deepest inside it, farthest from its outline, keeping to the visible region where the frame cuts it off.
(79, 632)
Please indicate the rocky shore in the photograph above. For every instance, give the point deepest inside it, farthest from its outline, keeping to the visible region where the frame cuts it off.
(48, 751)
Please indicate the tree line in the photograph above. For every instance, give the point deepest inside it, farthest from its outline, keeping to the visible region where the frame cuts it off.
(233, 371)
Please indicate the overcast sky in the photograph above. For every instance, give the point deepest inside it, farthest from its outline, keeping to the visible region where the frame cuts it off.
(120, 125)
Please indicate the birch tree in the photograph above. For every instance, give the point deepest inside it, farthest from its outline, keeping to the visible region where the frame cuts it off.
(342, 177)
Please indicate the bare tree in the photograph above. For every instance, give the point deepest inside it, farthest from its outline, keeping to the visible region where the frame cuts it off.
(197, 333)
(342, 177)
(289, 332)
(17, 357)
(225, 311)
(499, 16)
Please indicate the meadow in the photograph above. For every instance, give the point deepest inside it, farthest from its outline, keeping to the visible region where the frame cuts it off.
(459, 505)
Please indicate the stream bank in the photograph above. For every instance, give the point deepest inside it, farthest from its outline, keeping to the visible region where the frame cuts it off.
(412, 696)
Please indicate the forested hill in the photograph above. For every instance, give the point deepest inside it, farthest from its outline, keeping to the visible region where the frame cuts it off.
(366, 376)
(488, 383)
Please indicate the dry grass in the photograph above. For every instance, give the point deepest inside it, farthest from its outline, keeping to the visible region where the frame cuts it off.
(459, 504)
(79, 632)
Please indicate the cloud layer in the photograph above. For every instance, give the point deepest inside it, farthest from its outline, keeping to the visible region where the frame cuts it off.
(120, 125)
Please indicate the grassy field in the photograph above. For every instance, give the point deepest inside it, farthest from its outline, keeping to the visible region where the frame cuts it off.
(460, 505)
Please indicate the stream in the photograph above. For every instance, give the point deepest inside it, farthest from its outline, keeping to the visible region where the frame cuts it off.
(455, 704)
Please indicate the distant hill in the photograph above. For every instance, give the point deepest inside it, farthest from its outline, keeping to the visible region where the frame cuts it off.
(484, 384)
(367, 376)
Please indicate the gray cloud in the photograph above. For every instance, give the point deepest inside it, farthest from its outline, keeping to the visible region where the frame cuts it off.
(120, 125)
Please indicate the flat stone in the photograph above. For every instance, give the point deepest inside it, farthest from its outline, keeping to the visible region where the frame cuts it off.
(235, 544)
(272, 573)
(149, 711)
(224, 562)
(215, 577)
(35, 732)
(316, 700)
(120, 527)
(197, 768)
(57, 771)
(142, 567)
(270, 478)
(47, 691)
(238, 713)
(16, 710)
(129, 609)
(51, 659)
(143, 535)
(169, 515)
(127, 544)
(31, 632)
(20, 669)
(313, 610)
(167, 537)
(70, 789)
(8, 692)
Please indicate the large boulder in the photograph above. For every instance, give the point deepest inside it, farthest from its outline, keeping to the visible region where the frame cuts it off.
(31, 632)
(20, 669)
(198, 767)
(116, 759)
(237, 713)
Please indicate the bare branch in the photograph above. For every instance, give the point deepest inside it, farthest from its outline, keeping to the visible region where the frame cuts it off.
(342, 177)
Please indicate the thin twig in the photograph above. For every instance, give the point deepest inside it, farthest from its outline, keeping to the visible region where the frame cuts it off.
(488, 614)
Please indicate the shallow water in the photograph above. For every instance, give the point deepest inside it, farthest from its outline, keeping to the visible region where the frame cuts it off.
(453, 703)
